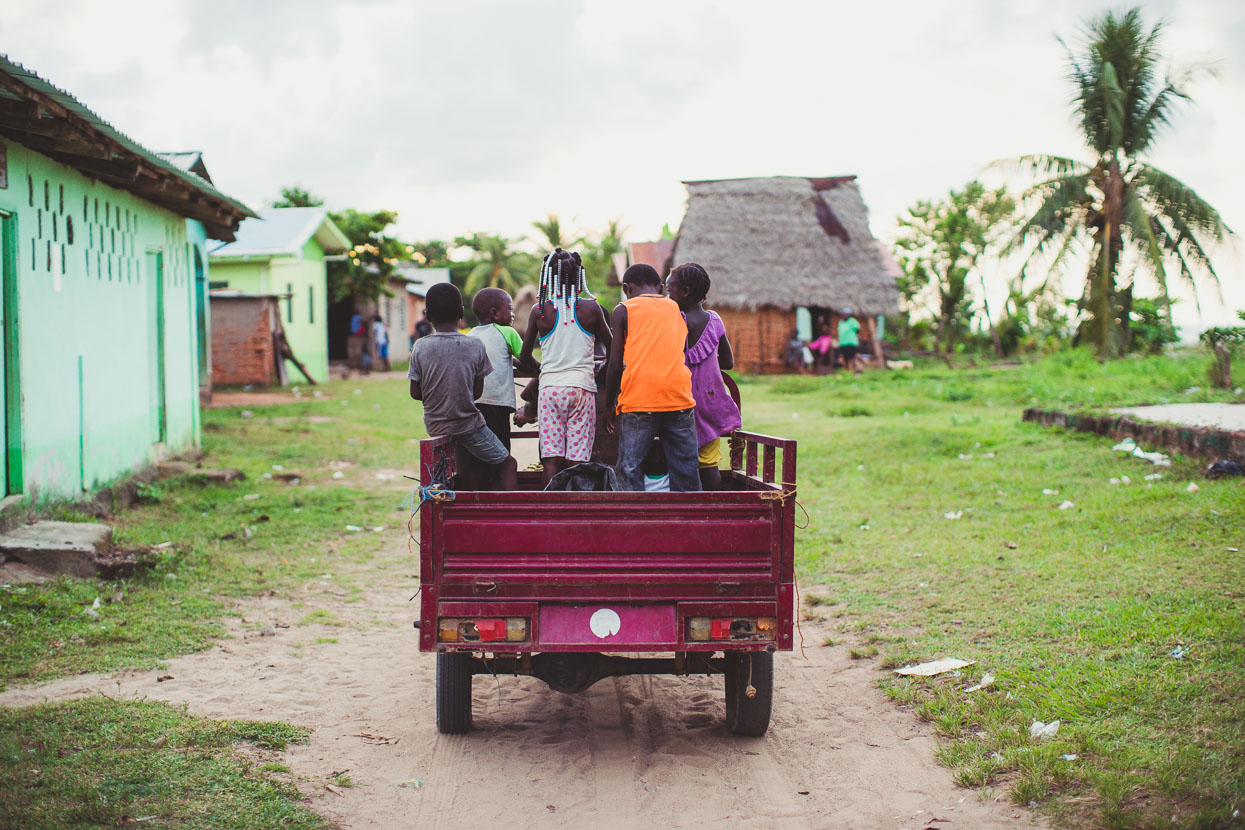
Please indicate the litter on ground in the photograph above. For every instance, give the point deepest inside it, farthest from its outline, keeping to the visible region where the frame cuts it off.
(1178, 652)
(1039, 731)
(935, 667)
(986, 680)
(1192, 488)
(953, 514)
(1046, 491)
(1066, 505)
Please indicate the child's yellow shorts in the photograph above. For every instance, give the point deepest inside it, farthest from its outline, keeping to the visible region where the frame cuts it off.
(711, 454)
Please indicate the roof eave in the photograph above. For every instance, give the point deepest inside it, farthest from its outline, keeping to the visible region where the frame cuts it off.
(52, 122)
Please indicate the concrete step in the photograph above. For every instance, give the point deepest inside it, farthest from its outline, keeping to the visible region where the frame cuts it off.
(73, 548)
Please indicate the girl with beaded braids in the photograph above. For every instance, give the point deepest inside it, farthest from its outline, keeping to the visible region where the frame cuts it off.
(568, 328)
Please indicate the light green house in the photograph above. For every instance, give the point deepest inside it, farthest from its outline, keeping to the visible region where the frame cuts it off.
(100, 346)
(283, 252)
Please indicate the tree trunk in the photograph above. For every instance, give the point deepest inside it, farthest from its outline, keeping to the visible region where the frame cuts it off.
(994, 335)
(1221, 369)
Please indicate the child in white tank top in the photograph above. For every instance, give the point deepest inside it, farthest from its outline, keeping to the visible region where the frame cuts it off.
(567, 329)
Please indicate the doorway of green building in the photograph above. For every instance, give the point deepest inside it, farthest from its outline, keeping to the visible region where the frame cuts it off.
(155, 345)
(11, 412)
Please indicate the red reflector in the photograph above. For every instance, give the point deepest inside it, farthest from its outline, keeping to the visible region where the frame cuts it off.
(491, 629)
(720, 629)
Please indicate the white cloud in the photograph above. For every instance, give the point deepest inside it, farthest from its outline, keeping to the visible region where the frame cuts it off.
(487, 115)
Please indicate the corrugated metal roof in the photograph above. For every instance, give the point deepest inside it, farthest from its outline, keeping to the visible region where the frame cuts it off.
(84, 119)
(283, 232)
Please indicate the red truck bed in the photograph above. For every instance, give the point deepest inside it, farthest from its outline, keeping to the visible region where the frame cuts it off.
(535, 578)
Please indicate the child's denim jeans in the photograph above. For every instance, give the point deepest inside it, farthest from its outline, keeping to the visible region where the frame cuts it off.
(636, 431)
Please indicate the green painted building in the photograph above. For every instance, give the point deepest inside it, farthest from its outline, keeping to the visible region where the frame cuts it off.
(100, 327)
(282, 252)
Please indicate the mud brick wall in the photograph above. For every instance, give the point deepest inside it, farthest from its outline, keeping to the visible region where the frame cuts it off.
(758, 338)
(242, 349)
(1201, 442)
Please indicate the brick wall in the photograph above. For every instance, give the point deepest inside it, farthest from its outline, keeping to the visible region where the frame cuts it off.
(242, 350)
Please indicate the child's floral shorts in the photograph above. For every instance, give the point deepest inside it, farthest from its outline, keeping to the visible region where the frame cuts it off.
(567, 417)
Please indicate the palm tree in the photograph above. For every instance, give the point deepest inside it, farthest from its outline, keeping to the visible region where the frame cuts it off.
(1115, 204)
(551, 230)
(498, 266)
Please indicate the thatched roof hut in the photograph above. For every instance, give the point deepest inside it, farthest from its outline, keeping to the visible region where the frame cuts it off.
(773, 245)
(786, 241)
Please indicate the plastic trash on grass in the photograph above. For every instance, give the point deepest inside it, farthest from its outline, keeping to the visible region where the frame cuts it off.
(935, 667)
(1039, 731)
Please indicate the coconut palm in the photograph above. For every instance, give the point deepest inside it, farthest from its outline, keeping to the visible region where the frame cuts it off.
(551, 229)
(497, 266)
(1114, 204)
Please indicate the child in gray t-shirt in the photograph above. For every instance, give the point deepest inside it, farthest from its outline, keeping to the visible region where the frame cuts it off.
(447, 372)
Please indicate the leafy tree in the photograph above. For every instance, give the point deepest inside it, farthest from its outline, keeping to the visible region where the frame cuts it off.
(941, 244)
(1114, 203)
(598, 256)
(496, 265)
(1224, 342)
(297, 196)
(372, 256)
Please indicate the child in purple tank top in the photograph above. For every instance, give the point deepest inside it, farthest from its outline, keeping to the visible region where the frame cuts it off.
(708, 354)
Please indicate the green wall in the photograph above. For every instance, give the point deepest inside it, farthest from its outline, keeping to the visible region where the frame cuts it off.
(86, 320)
(304, 315)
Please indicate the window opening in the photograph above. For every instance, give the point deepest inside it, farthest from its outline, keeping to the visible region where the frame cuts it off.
(39, 216)
(62, 198)
(62, 260)
(289, 304)
(48, 262)
(311, 304)
(47, 195)
(86, 261)
(97, 211)
(69, 229)
(107, 215)
(54, 232)
(86, 205)
(30, 189)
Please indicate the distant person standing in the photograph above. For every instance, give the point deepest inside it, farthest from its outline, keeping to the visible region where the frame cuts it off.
(422, 329)
(849, 341)
(380, 337)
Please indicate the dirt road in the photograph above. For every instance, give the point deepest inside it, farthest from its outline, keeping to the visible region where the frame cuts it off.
(628, 753)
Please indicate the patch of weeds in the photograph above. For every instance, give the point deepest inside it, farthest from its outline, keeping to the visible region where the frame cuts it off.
(272, 766)
(320, 616)
(341, 780)
(814, 600)
(326, 639)
(850, 412)
(828, 640)
(98, 762)
(797, 385)
(149, 492)
(862, 652)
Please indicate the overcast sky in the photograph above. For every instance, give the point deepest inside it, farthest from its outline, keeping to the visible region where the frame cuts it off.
(483, 116)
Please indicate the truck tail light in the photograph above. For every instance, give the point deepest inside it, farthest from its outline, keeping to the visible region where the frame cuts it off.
(707, 629)
(457, 630)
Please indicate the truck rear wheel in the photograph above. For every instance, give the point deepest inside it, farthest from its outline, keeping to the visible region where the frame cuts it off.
(749, 715)
(453, 693)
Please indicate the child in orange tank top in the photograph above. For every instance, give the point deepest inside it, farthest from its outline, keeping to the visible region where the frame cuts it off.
(649, 384)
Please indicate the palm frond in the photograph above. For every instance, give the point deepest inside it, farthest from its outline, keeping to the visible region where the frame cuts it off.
(1140, 227)
(1171, 196)
(1046, 165)
(1061, 201)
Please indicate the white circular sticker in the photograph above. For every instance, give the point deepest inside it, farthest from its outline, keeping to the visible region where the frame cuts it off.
(604, 623)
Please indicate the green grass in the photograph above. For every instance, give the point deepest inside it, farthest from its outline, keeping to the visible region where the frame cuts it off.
(226, 545)
(1074, 611)
(101, 763)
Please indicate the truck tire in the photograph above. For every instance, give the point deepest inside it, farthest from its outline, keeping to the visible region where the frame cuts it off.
(749, 715)
(453, 693)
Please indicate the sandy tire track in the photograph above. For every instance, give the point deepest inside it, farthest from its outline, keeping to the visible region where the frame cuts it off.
(634, 751)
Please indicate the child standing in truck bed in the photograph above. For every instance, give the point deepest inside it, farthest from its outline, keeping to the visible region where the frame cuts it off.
(567, 328)
(495, 311)
(447, 372)
(708, 355)
(650, 381)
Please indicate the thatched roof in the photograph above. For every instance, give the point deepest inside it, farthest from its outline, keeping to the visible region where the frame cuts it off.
(786, 241)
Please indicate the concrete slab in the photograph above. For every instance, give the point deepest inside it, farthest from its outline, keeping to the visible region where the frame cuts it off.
(1229, 416)
(58, 547)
